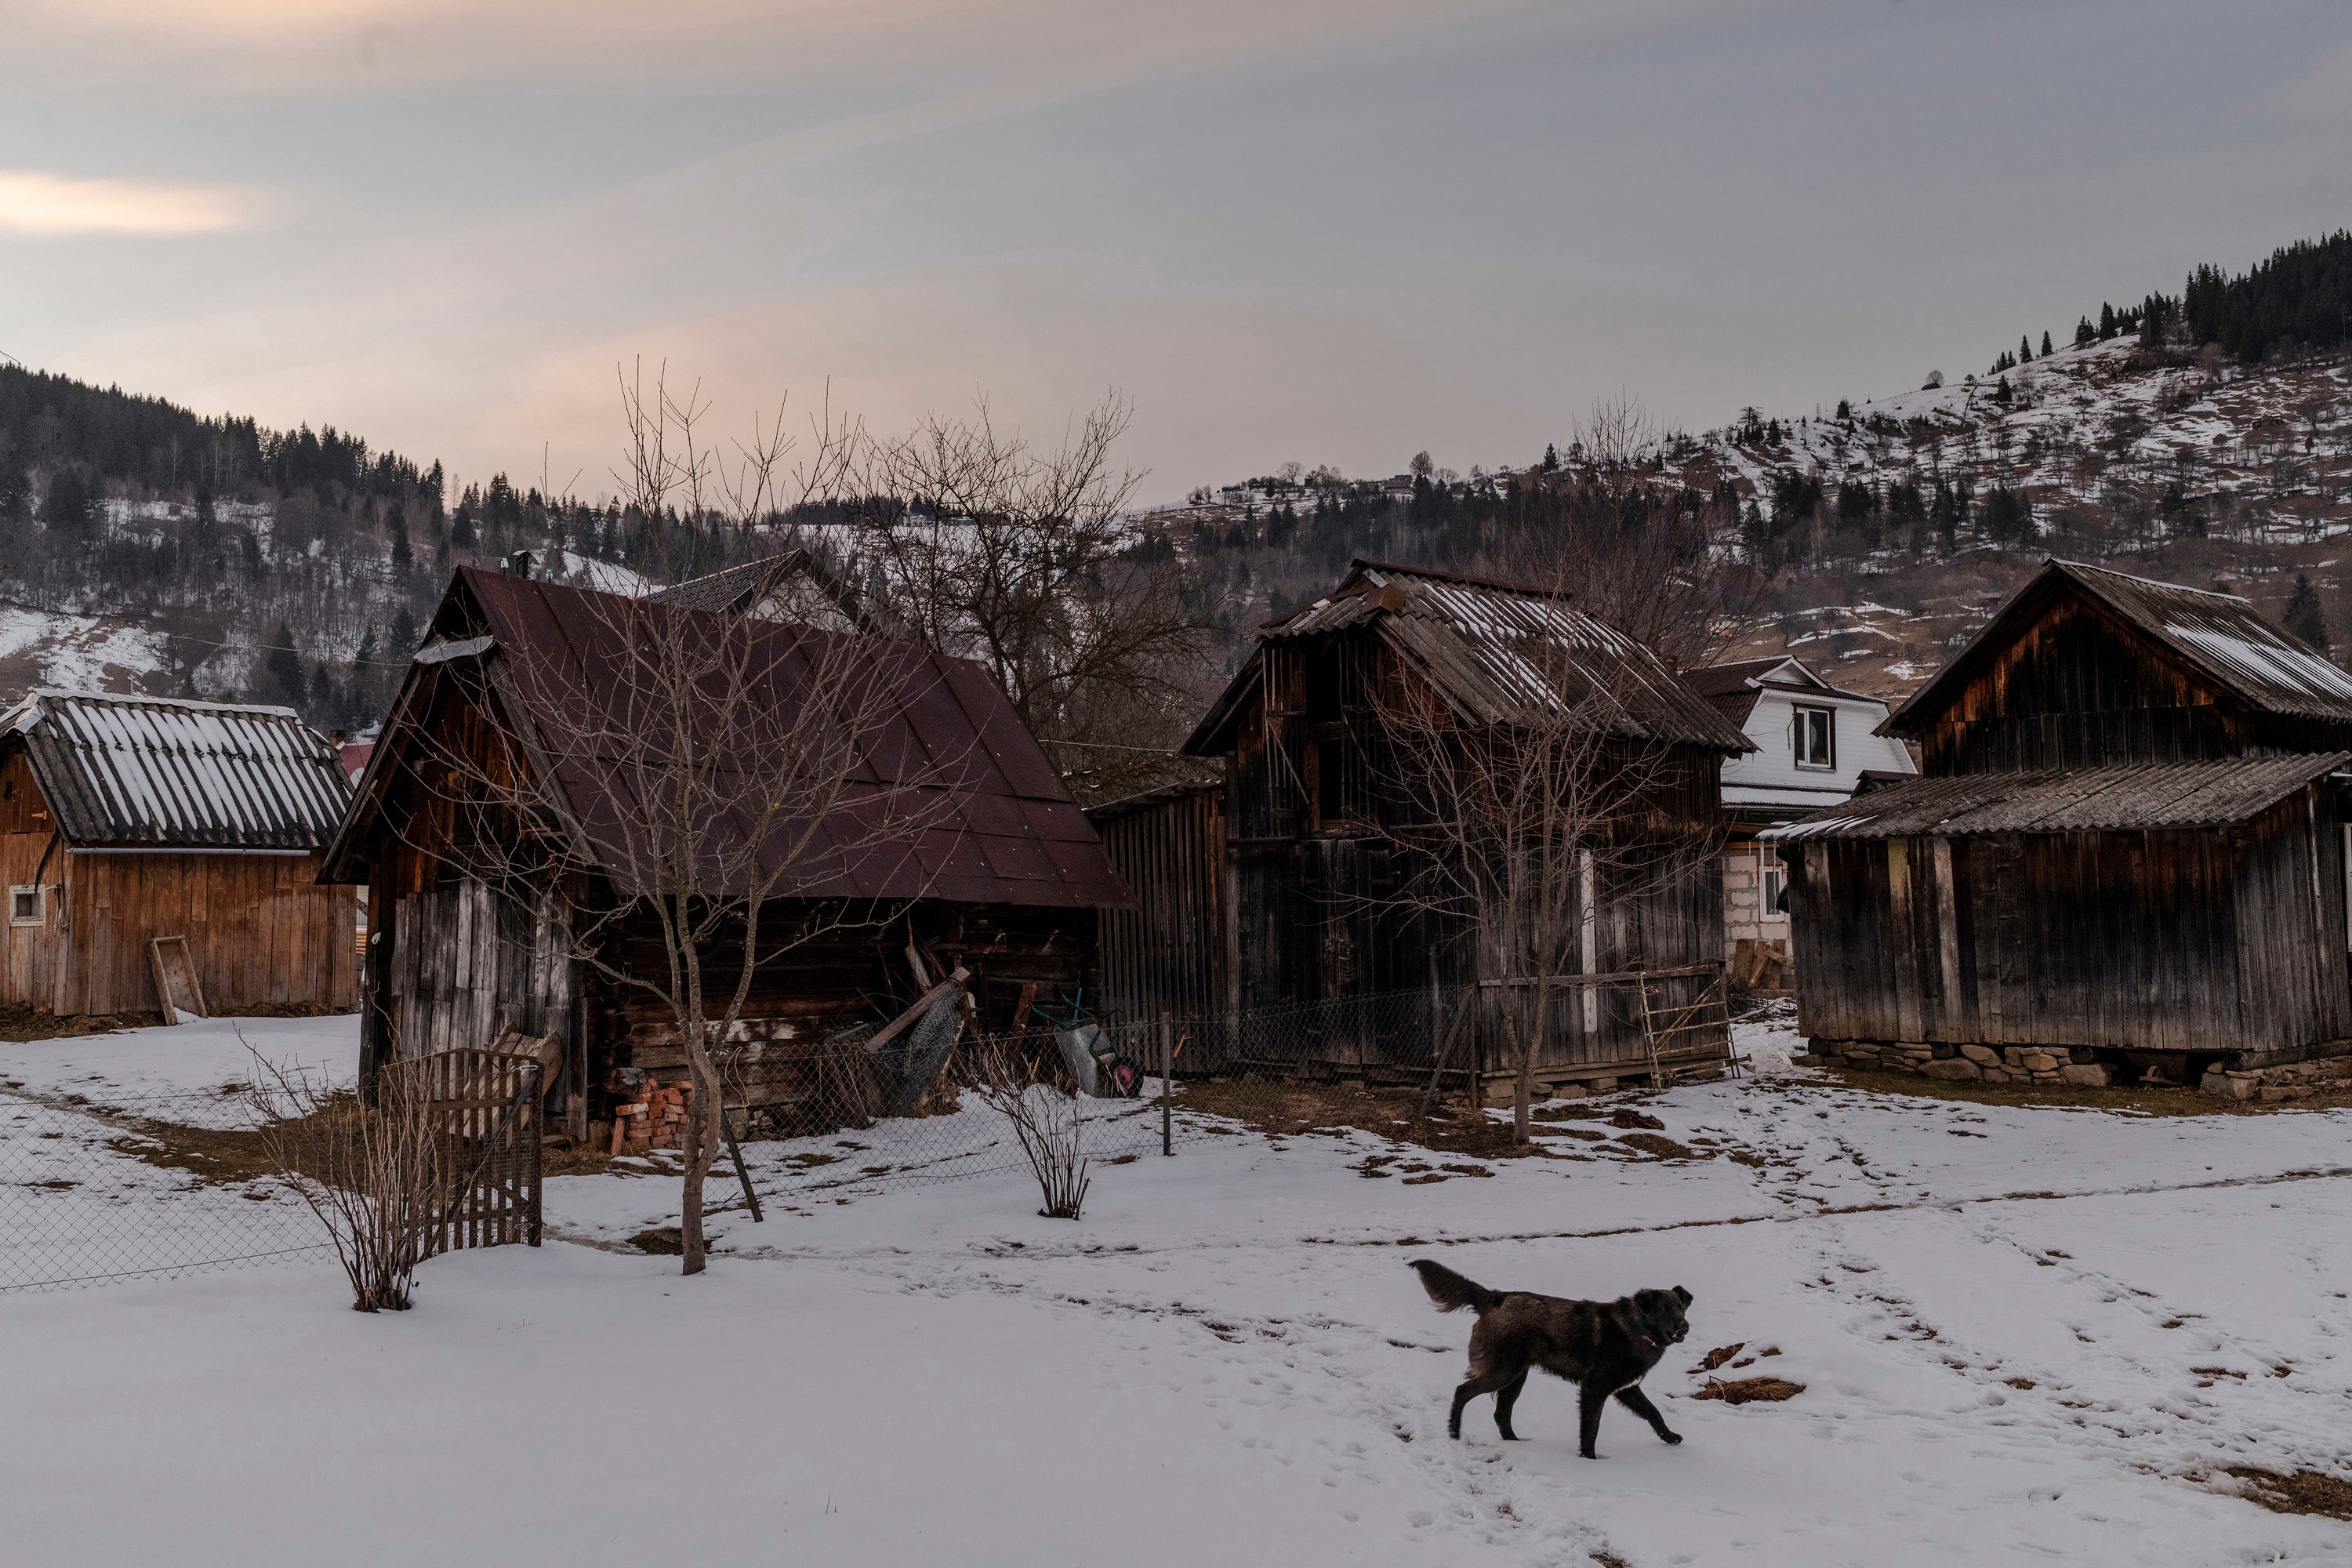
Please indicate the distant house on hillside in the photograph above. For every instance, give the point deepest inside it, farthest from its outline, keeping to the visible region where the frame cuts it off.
(1814, 744)
(124, 819)
(2127, 856)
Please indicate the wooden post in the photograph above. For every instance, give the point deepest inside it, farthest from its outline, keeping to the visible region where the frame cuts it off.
(1167, 1086)
(535, 1151)
(735, 1152)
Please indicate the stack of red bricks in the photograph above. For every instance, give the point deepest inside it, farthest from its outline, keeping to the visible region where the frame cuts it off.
(654, 1119)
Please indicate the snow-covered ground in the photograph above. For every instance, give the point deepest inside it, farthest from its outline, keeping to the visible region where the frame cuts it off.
(2024, 1335)
(204, 1057)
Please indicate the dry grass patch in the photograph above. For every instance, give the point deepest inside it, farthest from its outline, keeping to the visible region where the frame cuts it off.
(1750, 1390)
(18, 1023)
(2305, 1491)
(1295, 1110)
(1658, 1146)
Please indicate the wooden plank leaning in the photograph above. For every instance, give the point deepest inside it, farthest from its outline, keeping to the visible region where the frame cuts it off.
(177, 987)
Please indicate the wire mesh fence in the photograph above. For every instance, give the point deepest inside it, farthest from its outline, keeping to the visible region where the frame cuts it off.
(99, 1192)
(95, 1193)
(839, 1119)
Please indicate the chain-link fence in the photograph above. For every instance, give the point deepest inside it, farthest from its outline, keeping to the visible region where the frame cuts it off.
(103, 1192)
(839, 1119)
(127, 1189)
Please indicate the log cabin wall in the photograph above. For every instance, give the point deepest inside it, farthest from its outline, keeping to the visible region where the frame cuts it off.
(2193, 940)
(839, 985)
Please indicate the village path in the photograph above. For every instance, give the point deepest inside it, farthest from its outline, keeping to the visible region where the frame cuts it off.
(2023, 1333)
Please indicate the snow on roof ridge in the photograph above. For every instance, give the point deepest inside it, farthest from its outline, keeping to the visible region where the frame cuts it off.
(193, 705)
(2151, 581)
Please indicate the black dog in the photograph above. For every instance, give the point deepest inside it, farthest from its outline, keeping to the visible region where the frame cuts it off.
(1602, 1347)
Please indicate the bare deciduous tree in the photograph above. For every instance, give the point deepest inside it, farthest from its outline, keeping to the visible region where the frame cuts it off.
(691, 799)
(1652, 560)
(1024, 558)
(1519, 832)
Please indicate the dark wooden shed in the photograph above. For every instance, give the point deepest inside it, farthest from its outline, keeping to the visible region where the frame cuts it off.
(1174, 954)
(2126, 854)
(1005, 881)
(124, 819)
(1309, 840)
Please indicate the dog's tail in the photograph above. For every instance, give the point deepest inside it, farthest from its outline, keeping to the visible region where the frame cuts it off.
(1451, 1291)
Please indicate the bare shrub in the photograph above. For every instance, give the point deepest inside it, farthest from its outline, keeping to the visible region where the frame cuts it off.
(374, 1174)
(1048, 1119)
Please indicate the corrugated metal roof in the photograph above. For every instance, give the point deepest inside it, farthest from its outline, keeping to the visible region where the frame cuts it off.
(734, 589)
(948, 747)
(1503, 653)
(737, 590)
(2219, 634)
(127, 771)
(2153, 795)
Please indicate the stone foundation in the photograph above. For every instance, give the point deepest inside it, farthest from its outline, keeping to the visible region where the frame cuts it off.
(1970, 1064)
(2078, 1068)
(2296, 1080)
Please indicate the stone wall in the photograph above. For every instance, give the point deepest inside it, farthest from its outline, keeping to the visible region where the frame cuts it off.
(2080, 1068)
(1971, 1064)
(2296, 1080)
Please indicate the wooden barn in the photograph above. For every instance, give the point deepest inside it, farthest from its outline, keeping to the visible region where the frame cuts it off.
(2125, 856)
(1005, 882)
(1277, 890)
(1174, 954)
(127, 819)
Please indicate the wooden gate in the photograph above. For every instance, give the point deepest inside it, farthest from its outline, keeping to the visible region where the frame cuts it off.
(484, 1108)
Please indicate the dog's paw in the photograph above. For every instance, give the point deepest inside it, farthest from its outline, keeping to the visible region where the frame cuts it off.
(1670, 1437)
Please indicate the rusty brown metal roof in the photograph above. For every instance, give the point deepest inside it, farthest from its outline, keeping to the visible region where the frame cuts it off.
(129, 772)
(2219, 634)
(1500, 653)
(948, 747)
(2152, 795)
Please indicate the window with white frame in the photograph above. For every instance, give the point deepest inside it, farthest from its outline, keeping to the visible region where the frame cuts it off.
(1817, 737)
(1771, 881)
(24, 907)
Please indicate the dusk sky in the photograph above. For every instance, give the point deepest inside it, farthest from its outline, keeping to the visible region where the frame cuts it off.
(1304, 230)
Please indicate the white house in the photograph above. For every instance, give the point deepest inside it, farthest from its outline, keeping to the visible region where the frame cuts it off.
(1814, 742)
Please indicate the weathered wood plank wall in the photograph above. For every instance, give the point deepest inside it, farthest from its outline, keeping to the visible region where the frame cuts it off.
(2174, 941)
(1168, 954)
(261, 930)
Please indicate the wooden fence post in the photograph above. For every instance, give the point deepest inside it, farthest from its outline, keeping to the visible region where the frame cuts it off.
(1167, 1085)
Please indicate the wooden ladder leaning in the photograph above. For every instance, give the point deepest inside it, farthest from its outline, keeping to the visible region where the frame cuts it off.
(1661, 1027)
